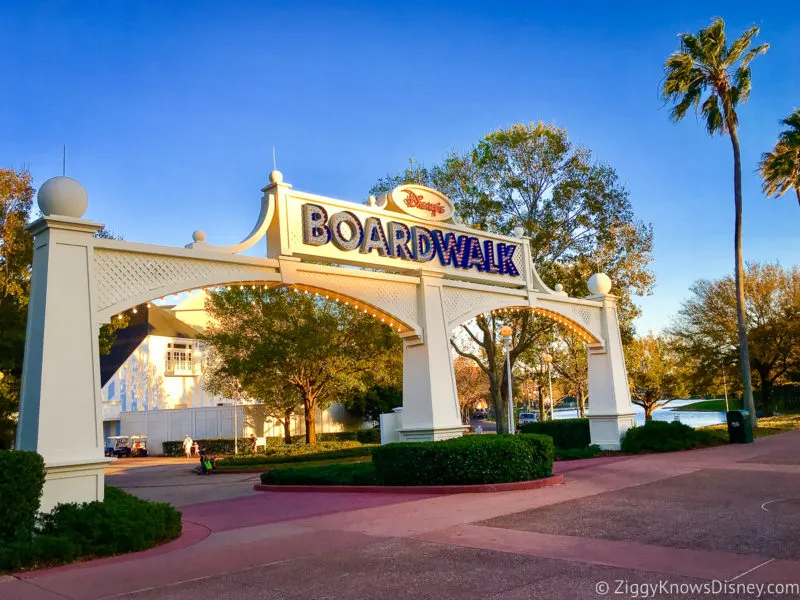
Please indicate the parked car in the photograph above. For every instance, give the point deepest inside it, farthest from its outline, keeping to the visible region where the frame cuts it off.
(526, 417)
(127, 445)
(479, 414)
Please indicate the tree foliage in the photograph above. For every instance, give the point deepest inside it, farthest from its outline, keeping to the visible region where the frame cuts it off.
(706, 326)
(655, 372)
(781, 167)
(277, 343)
(16, 250)
(472, 385)
(712, 78)
(576, 212)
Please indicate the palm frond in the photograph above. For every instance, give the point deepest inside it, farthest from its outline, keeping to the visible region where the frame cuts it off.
(740, 45)
(713, 116)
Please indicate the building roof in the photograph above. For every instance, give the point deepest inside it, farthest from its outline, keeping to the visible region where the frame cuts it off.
(147, 320)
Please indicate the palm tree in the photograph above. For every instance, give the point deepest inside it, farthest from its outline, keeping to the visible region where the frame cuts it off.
(713, 78)
(781, 167)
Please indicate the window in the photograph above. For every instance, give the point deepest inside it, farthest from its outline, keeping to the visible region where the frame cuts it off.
(182, 359)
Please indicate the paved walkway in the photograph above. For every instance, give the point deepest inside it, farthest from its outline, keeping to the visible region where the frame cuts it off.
(683, 519)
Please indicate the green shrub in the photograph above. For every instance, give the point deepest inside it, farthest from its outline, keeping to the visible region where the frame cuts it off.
(566, 433)
(659, 436)
(578, 453)
(225, 445)
(473, 459)
(325, 451)
(345, 474)
(21, 481)
(121, 523)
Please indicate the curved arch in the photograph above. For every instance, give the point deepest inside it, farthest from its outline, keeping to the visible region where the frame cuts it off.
(398, 325)
(587, 336)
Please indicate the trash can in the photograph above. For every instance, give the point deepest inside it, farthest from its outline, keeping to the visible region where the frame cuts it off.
(740, 429)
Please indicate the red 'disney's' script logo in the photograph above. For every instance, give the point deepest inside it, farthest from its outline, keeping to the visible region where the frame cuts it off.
(413, 200)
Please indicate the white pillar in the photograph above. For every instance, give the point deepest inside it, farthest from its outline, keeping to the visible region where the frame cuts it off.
(430, 401)
(60, 406)
(610, 409)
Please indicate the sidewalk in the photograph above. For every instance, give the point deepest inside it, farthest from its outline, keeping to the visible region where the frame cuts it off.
(728, 513)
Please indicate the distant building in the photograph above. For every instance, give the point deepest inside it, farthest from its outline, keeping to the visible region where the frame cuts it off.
(152, 382)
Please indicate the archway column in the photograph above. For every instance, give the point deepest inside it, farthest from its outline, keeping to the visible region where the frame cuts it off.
(60, 407)
(430, 399)
(610, 409)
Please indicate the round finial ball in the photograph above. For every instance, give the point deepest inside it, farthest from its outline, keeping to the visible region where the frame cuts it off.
(63, 197)
(198, 235)
(276, 176)
(518, 232)
(599, 283)
(559, 288)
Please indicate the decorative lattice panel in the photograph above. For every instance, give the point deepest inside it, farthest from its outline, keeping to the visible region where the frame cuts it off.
(586, 316)
(459, 302)
(120, 276)
(393, 297)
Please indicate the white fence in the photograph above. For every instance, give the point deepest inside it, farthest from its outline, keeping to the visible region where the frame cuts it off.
(217, 422)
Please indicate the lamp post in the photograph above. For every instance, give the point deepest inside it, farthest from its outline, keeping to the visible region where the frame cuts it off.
(548, 358)
(235, 424)
(506, 332)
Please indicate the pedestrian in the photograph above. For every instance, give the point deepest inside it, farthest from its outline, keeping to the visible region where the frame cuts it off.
(187, 446)
(195, 449)
(252, 443)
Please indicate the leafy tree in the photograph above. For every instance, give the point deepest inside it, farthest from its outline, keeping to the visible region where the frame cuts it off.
(16, 250)
(371, 403)
(781, 167)
(325, 350)
(654, 372)
(706, 66)
(706, 325)
(575, 211)
(472, 385)
(571, 364)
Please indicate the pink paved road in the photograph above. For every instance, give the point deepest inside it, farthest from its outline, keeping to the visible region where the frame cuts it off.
(557, 542)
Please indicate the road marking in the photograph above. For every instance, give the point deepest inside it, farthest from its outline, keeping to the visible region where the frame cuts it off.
(766, 562)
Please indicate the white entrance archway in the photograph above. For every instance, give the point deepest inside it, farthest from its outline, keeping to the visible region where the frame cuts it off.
(421, 272)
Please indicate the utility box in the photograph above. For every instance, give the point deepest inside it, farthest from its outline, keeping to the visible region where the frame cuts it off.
(740, 428)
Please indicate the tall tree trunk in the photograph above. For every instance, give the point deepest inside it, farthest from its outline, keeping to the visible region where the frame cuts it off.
(309, 403)
(741, 316)
(766, 394)
(287, 427)
(542, 414)
(648, 412)
(581, 403)
(501, 409)
(797, 191)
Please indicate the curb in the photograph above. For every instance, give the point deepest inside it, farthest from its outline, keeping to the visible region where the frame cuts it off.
(418, 489)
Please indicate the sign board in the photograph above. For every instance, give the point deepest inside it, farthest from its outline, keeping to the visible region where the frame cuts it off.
(408, 229)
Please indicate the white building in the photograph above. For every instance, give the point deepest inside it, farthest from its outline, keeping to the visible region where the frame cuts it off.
(152, 382)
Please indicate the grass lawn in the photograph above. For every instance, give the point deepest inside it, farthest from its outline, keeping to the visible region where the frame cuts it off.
(295, 464)
(767, 425)
(711, 405)
(300, 454)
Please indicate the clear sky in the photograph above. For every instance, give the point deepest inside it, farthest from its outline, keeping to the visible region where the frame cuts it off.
(170, 110)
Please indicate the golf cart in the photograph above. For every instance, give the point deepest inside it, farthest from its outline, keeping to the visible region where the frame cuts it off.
(127, 445)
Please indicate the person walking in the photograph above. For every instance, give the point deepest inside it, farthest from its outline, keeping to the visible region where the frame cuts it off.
(253, 443)
(187, 446)
(195, 449)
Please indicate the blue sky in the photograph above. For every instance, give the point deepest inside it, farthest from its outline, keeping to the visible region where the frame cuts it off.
(170, 110)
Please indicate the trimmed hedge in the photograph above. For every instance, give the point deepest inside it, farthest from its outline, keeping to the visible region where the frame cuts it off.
(225, 445)
(121, 523)
(324, 451)
(661, 436)
(566, 433)
(473, 459)
(362, 473)
(21, 481)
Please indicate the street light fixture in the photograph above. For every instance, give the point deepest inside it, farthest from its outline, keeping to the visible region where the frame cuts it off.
(548, 358)
(507, 332)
